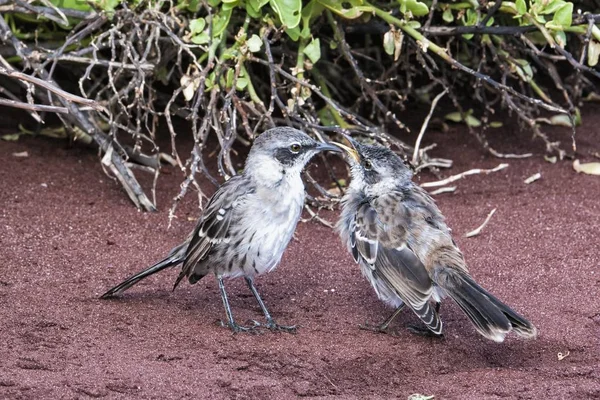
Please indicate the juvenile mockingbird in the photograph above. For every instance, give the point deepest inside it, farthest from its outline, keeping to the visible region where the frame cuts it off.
(248, 222)
(400, 239)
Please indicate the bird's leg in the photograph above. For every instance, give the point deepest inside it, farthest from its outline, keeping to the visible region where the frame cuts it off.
(271, 324)
(422, 331)
(230, 322)
(385, 325)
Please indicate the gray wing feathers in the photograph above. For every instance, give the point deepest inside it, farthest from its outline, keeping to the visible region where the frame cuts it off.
(392, 261)
(174, 258)
(213, 228)
(492, 318)
(403, 271)
(365, 233)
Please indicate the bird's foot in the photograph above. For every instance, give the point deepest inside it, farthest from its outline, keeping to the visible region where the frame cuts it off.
(422, 331)
(235, 328)
(383, 328)
(275, 327)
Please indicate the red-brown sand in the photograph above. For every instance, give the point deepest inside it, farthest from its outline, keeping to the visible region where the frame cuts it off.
(68, 233)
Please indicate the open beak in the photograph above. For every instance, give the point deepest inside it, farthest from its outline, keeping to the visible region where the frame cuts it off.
(322, 146)
(348, 147)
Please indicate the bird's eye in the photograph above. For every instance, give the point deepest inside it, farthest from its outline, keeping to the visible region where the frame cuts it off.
(367, 165)
(295, 148)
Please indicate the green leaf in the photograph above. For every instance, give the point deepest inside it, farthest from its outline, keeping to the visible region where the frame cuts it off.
(417, 8)
(197, 25)
(220, 22)
(305, 33)
(193, 5)
(593, 53)
(496, 124)
(564, 15)
(311, 11)
(288, 11)
(347, 9)
(229, 53)
(414, 24)
(229, 77)
(523, 69)
(11, 137)
(201, 38)
(254, 43)
(73, 4)
(256, 4)
(209, 82)
(552, 7)
(253, 7)
(472, 121)
(342, 182)
(561, 38)
(105, 5)
(388, 42)
(592, 168)
(521, 7)
(241, 83)
(454, 117)
(294, 33)
(468, 118)
(313, 50)
(471, 18)
(325, 117)
(561, 120)
(230, 5)
(214, 3)
(447, 15)
(252, 12)
(553, 26)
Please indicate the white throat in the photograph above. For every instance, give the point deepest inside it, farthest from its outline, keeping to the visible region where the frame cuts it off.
(267, 172)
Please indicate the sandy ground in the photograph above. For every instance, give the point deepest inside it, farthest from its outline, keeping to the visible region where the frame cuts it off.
(68, 233)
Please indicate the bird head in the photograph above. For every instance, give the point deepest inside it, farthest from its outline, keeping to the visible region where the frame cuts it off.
(376, 170)
(281, 152)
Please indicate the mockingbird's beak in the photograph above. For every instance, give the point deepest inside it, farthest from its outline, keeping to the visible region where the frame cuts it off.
(349, 147)
(322, 146)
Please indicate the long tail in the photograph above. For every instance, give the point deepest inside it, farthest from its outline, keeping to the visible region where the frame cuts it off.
(491, 317)
(176, 256)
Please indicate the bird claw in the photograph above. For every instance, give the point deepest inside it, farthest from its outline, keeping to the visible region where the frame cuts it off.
(376, 328)
(235, 328)
(422, 331)
(275, 327)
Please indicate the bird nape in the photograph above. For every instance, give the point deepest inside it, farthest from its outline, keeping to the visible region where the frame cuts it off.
(400, 239)
(248, 222)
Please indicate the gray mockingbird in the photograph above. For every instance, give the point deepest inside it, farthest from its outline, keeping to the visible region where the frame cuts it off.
(248, 222)
(400, 239)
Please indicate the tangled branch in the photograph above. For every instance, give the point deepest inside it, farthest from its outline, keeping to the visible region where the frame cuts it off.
(233, 70)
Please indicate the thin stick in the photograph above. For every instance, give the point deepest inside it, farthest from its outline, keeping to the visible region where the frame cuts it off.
(448, 189)
(533, 178)
(502, 155)
(462, 175)
(415, 158)
(51, 87)
(33, 107)
(477, 231)
(146, 67)
(316, 217)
